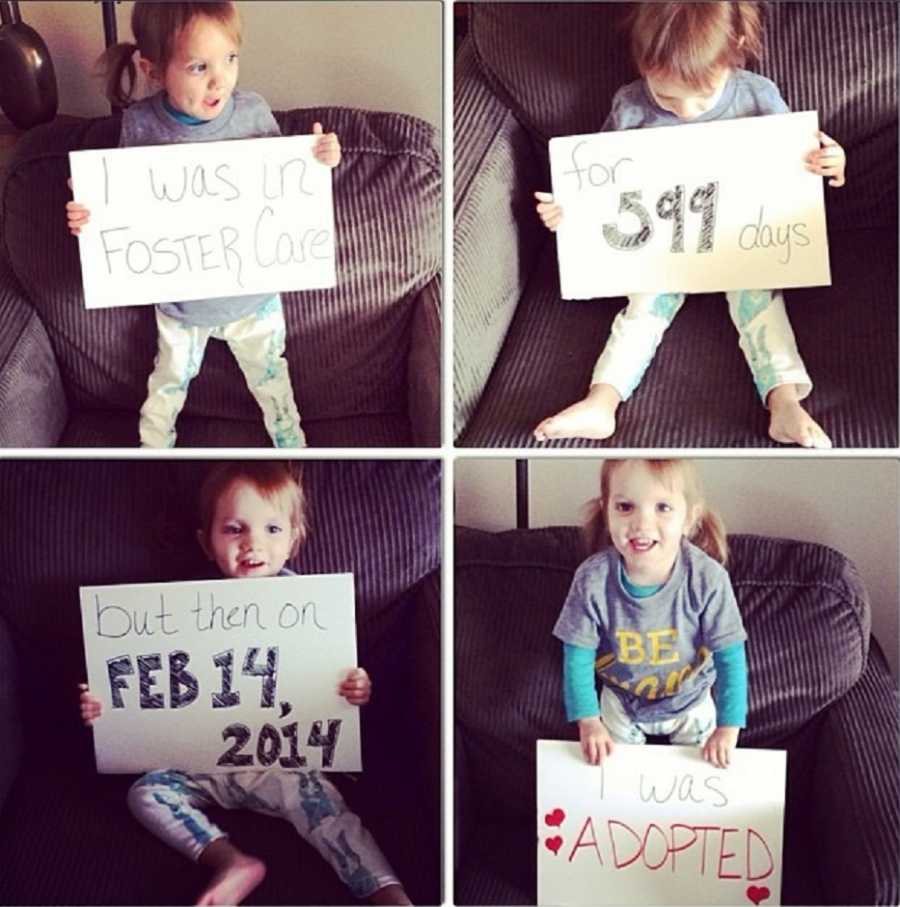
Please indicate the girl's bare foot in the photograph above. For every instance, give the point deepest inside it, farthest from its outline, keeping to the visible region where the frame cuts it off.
(390, 894)
(235, 876)
(594, 417)
(790, 423)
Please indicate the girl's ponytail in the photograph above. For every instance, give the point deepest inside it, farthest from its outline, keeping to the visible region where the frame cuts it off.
(708, 534)
(118, 61)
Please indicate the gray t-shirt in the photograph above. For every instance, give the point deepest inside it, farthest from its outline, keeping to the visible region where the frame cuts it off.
(245, 116)
(746, 94)
(655, 653)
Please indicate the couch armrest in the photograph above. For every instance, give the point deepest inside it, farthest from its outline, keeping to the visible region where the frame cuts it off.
(10, 726)
(423, 371)
(33, 406)
(496, 232)
(856, 791)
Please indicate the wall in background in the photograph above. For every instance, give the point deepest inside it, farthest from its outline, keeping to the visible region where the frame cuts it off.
(379, 54)
(851, 505)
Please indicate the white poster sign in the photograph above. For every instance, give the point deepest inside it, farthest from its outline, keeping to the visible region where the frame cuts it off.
(223, 675)
(170, 223)
(692, 208)
(658, 825)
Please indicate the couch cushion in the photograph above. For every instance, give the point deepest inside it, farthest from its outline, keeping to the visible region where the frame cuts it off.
(803, 605)
(559, 64)
(698, 391)
(347, 347)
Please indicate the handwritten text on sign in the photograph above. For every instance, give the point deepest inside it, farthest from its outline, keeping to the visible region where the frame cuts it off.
(658, 825)
(223, 675)
(176, 222)
(698, 207)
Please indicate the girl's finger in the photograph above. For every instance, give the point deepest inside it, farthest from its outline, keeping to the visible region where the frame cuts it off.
(317, 128)
(826, 139)
(543, 196)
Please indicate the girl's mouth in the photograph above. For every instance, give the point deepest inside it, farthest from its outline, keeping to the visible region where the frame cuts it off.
(641, 545)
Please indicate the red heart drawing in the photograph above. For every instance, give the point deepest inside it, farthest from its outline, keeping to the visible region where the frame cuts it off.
(555, 818)
(757, 894)
(554, 843)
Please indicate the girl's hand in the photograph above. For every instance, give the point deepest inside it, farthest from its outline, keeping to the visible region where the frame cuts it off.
(830, 160)
(356, 687)
(77, 215)
(596, 743)
(327, 149)
(548, 211)
(719, 746)
(91, 707)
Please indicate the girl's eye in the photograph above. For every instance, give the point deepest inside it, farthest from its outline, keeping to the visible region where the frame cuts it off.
(232, 58)
(273, 529)
(623, 507)
(664, 508)
(196, 68)
(231, 529)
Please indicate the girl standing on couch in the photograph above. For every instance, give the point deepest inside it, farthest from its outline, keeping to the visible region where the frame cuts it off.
(191, 51)
(252, 519)
(690, 57)
(652, 611)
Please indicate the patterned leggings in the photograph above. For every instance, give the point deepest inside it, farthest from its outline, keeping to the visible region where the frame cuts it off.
(257, 342)
(171, 805)
(690, 728)
(766, 340)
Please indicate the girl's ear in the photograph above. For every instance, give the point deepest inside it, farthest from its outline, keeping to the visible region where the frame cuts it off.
(148, 68)
(201, 538)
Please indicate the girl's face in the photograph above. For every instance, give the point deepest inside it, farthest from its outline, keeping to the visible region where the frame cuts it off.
(203, 71)
(646, 522)
(249, 535)
(683, 100)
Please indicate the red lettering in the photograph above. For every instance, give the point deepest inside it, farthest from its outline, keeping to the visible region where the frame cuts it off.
(588, 824)
(612, 841)
(674, 849)
(725, 856)
(704, 829)
(650, 828)
(768, 872)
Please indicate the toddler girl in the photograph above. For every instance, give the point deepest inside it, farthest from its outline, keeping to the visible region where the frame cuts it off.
(253, 518)
(690, 57)
(654, 613)
(191, 51)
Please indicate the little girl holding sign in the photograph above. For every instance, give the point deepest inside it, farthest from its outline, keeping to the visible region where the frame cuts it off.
(191, 51)
(654, 613)
(253, 518)
(690, 56)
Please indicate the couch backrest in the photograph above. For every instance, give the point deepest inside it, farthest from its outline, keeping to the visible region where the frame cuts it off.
(347, 346)
(803, 606)
(72, 523)
(558, 65)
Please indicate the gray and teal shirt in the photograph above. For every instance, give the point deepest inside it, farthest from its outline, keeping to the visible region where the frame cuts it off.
(152, 122)
(655, 652)
(746, 94)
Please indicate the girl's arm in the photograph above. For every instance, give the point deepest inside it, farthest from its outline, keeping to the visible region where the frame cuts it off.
(582, 704)
(731, 703)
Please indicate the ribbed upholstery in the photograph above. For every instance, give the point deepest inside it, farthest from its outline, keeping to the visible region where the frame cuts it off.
(347, 347)
(553, 68)
(495, 234)
(807, 619)
(424, 382)
(120, 521)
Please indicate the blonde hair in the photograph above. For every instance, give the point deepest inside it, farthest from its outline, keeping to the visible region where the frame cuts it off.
(693, 42)
(156, 27)
(707, 531)
(276, 481)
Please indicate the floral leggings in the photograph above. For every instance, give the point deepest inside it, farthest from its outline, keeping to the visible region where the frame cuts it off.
(766, 340)
(171, 805)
